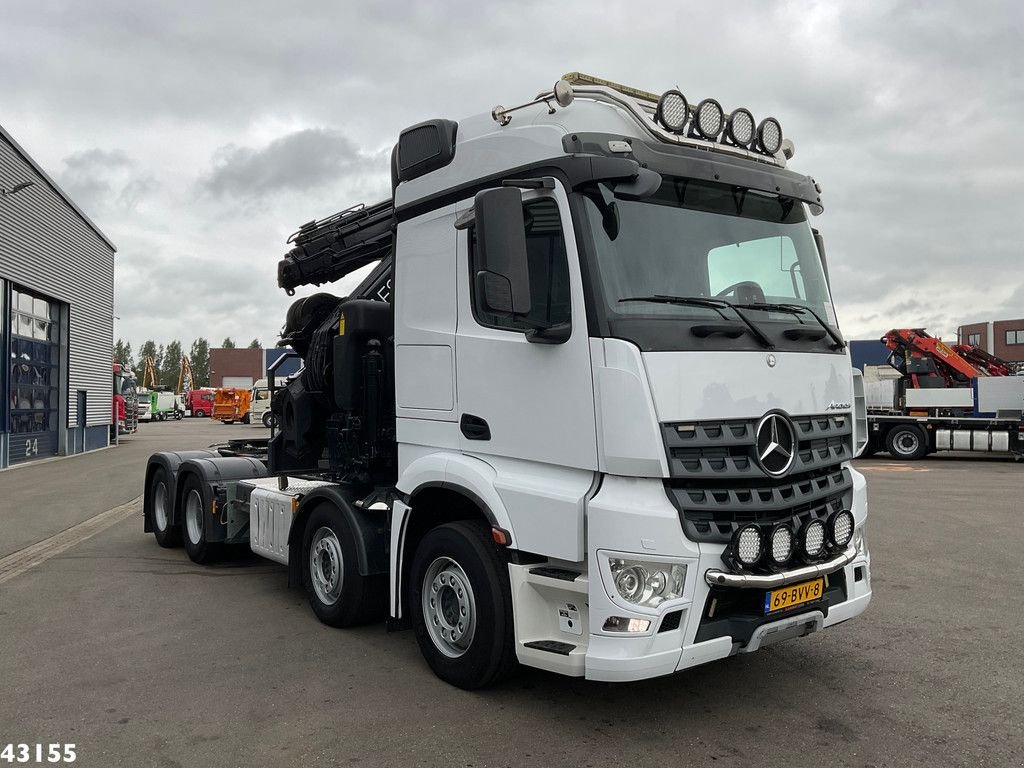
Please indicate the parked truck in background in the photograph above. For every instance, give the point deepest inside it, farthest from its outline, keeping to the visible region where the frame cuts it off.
(259, 411)
(934, 396)
(199, 402)
(232, 404)
(164, 404)
(126, 401)
(589, 410)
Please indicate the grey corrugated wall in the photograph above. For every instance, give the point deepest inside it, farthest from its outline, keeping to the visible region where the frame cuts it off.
(46, 246)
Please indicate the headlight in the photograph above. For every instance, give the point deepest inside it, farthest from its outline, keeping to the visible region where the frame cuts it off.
(645, 583)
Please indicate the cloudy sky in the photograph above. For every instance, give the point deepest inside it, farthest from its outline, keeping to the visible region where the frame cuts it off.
(199, 135)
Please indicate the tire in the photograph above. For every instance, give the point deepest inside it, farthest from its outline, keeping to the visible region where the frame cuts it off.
(194, 523)
(906, 442)
(167, 534)
(200, 414)
(338, 594)
(246, 419)
(268, 419)
(457, 570)
(227, 422)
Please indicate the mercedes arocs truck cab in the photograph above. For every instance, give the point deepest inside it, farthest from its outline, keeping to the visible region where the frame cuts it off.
(589, 411)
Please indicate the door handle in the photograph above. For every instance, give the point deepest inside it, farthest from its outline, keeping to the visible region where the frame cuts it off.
(474, 428)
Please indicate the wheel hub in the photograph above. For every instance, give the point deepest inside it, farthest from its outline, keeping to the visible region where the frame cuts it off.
(449, 607)
(326, 566)
(160, 506)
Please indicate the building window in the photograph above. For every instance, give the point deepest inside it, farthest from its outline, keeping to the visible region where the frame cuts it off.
(34, 375)
(974, 339)
(1015, 337)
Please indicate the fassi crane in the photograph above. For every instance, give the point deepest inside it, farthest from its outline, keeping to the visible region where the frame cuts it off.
(924, 359)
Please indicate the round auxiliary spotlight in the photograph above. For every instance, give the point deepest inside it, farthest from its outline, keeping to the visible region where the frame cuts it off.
(812, 540)
(673, 111)
(747, 545)
(709, 119)
(740, 127)
(840, 528)
(769, 135)
(780, 544)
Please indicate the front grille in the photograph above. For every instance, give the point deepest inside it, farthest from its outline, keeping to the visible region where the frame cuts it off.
(717, 484)
(727, 449)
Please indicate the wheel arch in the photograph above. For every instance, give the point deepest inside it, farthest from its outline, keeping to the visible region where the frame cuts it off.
(170, 462)
(371, 526)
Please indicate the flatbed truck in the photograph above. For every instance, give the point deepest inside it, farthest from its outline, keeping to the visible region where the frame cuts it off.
(589, 410)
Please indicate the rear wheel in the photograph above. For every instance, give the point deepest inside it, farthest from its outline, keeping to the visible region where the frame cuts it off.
(338, 594)
(194, 523)
(167, 534)
(461, 605)
(907, 442)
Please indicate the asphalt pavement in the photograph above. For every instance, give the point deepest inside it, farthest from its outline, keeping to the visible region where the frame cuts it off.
(142, 658)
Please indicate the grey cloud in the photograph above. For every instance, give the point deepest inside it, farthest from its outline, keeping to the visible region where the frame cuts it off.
(302, 161)
(99, 179)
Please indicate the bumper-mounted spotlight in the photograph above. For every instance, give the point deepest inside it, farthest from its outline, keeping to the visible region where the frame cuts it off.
(780, 544)
(812, 540)
(747, 545)
(840, 529)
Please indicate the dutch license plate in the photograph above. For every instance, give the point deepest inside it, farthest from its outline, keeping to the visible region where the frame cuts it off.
(794, 594)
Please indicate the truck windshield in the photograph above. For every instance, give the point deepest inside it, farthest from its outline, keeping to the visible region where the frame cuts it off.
(706, 241)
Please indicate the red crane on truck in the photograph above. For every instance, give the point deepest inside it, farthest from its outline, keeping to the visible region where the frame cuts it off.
(928, 362)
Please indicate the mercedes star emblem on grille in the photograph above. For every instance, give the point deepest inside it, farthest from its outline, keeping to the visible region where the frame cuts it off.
(776, 444)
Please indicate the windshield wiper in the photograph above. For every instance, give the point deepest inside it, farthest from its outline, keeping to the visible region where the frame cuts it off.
(716, 304)
(799, 309)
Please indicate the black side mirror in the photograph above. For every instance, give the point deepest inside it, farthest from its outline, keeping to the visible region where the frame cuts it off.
(502, 284)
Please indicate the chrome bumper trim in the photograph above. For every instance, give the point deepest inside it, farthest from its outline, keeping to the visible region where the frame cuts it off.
(716, 578)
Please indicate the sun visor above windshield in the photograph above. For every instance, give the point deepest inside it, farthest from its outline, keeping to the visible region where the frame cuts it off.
(698, 164)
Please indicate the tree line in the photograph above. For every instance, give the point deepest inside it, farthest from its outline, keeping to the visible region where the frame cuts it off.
(167, 359)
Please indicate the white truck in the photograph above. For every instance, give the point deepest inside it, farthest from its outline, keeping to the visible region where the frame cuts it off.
(259, 409)
(589, 411)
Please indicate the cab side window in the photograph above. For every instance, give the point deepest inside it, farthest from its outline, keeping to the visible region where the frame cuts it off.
(549, 270)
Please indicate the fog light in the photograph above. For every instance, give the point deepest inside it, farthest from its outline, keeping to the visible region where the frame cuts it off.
(781, 544)
(673, 111)
(840, 529)
(622, 624)
(747, 545)
(812, 539)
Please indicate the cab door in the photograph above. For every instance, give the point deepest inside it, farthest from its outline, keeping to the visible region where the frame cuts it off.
(521, 399)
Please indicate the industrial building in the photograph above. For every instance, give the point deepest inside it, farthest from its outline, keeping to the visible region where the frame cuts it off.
(56, 317)
(1002, 338)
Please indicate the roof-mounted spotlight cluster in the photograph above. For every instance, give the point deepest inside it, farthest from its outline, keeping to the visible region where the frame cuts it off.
(707, 121)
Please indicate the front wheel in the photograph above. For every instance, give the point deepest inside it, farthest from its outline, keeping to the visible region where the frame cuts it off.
(907, 442)
(268, 419)
(166, 533)
(200, 413)
(461, 605)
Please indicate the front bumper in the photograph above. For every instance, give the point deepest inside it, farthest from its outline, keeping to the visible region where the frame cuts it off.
(634, 515)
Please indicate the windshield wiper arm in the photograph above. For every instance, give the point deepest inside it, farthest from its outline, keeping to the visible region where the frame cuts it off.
(715, 304)
(799, 309)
